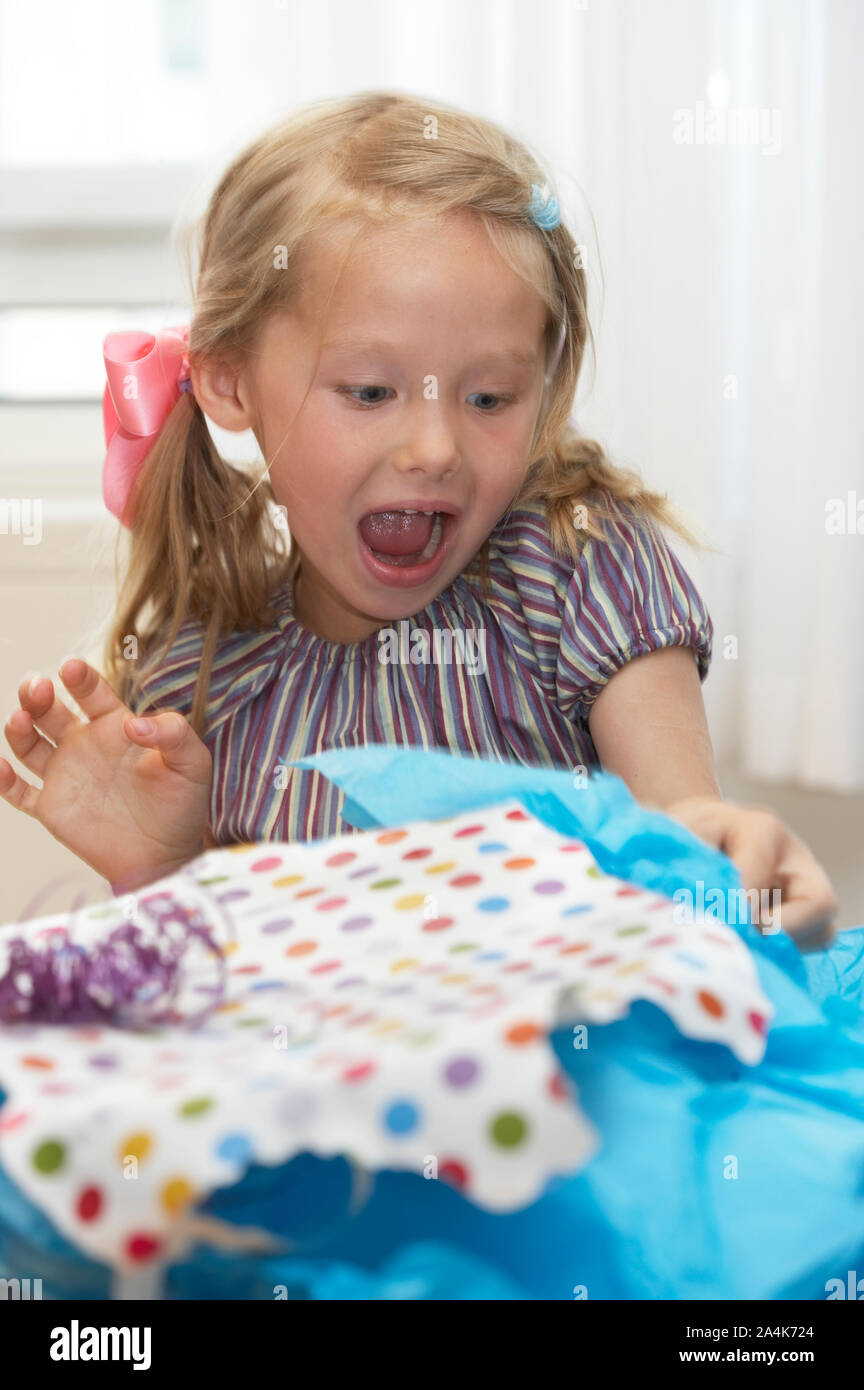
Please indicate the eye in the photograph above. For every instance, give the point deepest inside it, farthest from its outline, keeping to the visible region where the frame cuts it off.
(364, 405)
(488, 396)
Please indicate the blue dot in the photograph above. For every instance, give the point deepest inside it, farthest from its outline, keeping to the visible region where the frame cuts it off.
(580, 907)
(268, 984)
(492, 845)
(494, 904)
(235, 1147)
(491, 955)
(690, 960)
(401, 1117)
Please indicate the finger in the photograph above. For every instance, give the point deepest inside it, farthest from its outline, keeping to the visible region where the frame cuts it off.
(808, 903)
(176, 740)
(37, 696)
(16, 791)
(88, 689)
(755, 842)
(28, 745)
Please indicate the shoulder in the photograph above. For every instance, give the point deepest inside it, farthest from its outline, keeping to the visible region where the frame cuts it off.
(243, 663)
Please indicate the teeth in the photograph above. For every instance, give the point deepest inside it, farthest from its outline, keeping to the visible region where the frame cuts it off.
(434, 540)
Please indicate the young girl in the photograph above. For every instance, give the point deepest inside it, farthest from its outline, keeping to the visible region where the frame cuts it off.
(387, 299)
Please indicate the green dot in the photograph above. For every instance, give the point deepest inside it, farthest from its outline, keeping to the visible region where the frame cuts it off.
(206, 882)
(190, 1108)
(594, 872)
(508, 1129)
(465, 946)
(629, 931)
(386, 883)
(250, 1023)
(49, 1156)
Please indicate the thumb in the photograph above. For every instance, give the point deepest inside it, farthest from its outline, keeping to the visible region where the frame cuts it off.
(171, 734)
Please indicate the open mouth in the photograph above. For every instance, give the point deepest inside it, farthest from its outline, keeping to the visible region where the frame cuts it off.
(403, 538)
(405, 547)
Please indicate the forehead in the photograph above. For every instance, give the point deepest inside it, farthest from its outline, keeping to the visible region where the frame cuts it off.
(415, 272)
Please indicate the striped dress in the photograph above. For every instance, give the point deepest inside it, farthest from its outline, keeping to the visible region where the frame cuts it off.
(511, 678)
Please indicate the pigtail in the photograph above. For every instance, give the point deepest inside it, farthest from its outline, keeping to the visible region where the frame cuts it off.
(203, 548)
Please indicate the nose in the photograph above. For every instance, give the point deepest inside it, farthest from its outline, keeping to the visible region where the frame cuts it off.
(430, 447)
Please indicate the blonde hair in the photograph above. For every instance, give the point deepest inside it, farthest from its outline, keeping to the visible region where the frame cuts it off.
(204, 545)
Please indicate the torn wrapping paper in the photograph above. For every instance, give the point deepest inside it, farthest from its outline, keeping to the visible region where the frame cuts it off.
(389, 996)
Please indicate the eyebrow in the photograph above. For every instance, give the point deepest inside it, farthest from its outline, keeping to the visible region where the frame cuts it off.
(523, 357)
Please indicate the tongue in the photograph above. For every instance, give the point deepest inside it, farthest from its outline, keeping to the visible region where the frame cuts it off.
(396, 533)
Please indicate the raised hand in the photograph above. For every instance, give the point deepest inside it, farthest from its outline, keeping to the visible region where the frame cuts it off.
(128, 796)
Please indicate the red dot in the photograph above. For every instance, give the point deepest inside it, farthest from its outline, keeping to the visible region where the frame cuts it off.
(465, 880)
(602, 960)
(142, 1247)
(359, 1072)
(662, 941)
(627, 892)
(468, 830)
(438, 923)
(417, 854)
(245, 969)
(453, 1172)
(89, 1204)
(337, 860)
(327, 904)
(558, 1086)
(759, 1022)
(516, 815)
(571, 849)
(325, 966)
(263, 866)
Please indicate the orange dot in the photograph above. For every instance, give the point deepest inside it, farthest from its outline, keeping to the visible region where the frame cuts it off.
(572, 950)
(301, 948)
(176, 1194)
(711, 1004)
(519, 863)
(390, 837)
(41, 1063)
(308, 892)
(523, 1033)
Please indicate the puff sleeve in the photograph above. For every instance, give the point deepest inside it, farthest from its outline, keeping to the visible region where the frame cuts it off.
(629, 595)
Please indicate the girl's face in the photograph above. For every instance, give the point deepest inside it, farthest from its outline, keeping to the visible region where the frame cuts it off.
(425, 397)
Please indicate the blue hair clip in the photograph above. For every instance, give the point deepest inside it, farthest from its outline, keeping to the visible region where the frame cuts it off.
(543, 210)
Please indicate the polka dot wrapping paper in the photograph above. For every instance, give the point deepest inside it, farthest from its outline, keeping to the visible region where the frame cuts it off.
(389, 996)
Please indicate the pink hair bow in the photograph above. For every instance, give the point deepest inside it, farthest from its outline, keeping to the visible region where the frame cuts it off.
(146, 375)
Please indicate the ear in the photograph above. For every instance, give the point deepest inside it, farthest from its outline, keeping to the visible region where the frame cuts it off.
(222, 393)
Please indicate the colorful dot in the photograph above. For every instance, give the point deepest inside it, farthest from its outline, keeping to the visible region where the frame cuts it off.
(176, 1194)
(359, 1072)
(288, 880)
(517, 815)
(417, 854)
(711, 1004)
(523, 1033)
(301, 948)
(391, 837)
(493, 904)
(336, 861)
(441, 868)
(401, 1117)
(49, 1157)
(136, 1145)
(577, 907)
(468, 830)
(38, 1063)
(453, 1172)
(758, 1022)
(438, 923)
(237, 1148)
(264, 866)
(89, 1204)
(357, 923)
(549, 885)
(461, 1071)
(411, 900)
(199, 1105)
(508, 1129)
(519, 863)
(491, 846)
(328, 904)
(385, 883)
(140, 1247)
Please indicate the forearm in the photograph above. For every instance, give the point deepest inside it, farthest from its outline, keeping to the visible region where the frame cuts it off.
(649, 727)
